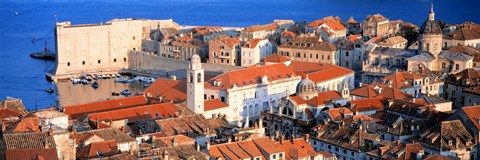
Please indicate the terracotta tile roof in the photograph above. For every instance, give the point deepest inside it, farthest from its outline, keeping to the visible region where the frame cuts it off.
(288, 34)
(266, 27)
(26, 141)
(276, 58)
(380, 90)
(376, 18)
(473, 114)
(367, 104)
(105, 134)
(298, 100)
(468, 50)
(47, 154)
(250, 76)
(352, 21)
(324, 97)
(250, 148)
(453, 136)
(468, 77)
(196, 124)
(30, 123)
(169, 141)
(319, 72)
(107, 148)
(207, 30)
(465, 33)
(366, 91)
(214, 104)
(169, 90)
(355, 119)
(252, 43)
(338, 114)
(266, 144)
(308, 43)
(345, 136)
(354, 37)
(316, 23)
(400, 80)
(154, 111)
(80, 111)
(296, 149)
(6, 113)
(335, 25)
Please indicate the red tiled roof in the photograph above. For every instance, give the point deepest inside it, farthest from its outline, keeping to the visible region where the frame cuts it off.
(30, 123)
(276, 58)
(335, 25)
(319, 72)
(8, 113)
(48, 154)
(473, 114)
(352, 21)
(79, 111)
(402, 79)
(214, 104)
(107, 148)
(339, 113)
(316, 23)
(163, 110)
(367, 104)
(354, 37)
(179, 140)
(288, 34)
(324, 97)
(169, 90)
(298, 149)
(250, 76)
(252, 43)
(267, 145)
(369, 91)
(267, 27)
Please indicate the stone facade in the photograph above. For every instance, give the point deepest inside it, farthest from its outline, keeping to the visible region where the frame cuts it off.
(309, 49)
(96, 48)
(375, 25)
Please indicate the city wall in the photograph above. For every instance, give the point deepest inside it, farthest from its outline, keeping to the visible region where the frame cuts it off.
(149, 63)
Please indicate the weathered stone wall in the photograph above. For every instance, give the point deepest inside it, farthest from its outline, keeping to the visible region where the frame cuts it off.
(150, 63)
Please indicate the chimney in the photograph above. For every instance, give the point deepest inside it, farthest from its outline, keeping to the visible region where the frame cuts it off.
(98, 124)
(307, 138)
(207, 144)
(282, 138)
(197, 146)
(292, 139)
(176, 114)
(277, 133)
(229, 140)
(174, 141)
(260, 122)
(264, 61)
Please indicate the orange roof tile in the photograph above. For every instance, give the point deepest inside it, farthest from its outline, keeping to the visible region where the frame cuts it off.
(288, 34)
(108, 148)
(316, 23)
(367, 104)
(473, 114)
(30, 123)
(352, 21)
(250, 148)
(402, 79)
(267, 145)
(339, 113)
(214, 104)
(8, 113)
(179, 139)
(154, 111)
(335, 25)
(78, 111)
(298, 149)
(267, 27)
(252, 43)
(169, 90)
(276, 58)
(250, 76)
(354, 37)
(319, 72)
(324, 97)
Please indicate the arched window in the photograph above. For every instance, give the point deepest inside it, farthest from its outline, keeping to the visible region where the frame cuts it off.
(443, 65)
(191, 77)
(457, 67)
(445, 45)
(199, 77)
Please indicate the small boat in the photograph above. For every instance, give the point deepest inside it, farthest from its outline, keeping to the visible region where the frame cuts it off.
(115, 94)
(83, 81)
(125, 92)
(95, 84)
(75, 80)
(49, 90)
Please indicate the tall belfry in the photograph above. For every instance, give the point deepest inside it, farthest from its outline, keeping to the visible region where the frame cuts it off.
(195, 86)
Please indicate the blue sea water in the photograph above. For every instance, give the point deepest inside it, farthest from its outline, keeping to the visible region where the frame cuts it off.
(24, 77)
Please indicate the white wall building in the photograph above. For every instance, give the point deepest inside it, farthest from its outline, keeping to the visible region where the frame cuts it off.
(255, 50)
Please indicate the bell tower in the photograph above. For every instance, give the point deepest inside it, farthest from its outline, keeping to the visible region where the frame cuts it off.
(195, 86)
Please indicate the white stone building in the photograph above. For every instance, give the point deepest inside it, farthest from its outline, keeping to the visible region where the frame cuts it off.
(254, 51)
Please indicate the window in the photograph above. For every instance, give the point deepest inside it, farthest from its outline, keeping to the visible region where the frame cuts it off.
(316, 55)
(114, 60)
(68, 63)
(191, 77)
(124, 59)
(323, 57)
(133, 37)
(98, 61)
(199, 77)
(443, 65)
(346, 54)
(274, 156)
(457, 67)
(222, 99)
(280, 156)
(83, 62)
(204, 96)
(328, 57)
(212, 97)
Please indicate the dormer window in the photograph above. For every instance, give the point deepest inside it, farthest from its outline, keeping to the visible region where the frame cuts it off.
(450, 142)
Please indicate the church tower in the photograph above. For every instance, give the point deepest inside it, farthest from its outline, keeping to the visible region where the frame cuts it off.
(430, 36)
(195, 86)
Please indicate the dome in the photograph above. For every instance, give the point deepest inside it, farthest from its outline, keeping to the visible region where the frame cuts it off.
(430, 27)
(195, 59)
(307, 88)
